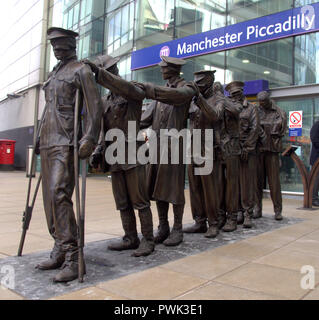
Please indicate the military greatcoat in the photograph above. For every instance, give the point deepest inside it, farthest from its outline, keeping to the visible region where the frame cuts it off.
(169, 111)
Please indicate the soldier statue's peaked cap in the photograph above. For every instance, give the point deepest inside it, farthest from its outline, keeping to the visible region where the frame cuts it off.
(205, 72)
(106, 61)
(171, 61)
(55, 33)
(235, 86)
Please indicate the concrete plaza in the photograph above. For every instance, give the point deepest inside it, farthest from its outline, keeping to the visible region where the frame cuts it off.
(265, 266)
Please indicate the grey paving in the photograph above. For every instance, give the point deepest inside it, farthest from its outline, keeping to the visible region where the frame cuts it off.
(103, 265)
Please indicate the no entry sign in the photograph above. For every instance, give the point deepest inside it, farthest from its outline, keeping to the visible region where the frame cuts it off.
(295, 123)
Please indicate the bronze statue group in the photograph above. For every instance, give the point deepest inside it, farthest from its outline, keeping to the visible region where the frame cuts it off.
(246, 143)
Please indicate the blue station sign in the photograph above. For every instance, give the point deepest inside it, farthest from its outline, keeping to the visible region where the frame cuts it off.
(283, 24)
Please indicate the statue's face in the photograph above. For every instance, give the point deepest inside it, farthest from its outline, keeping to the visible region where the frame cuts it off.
(264, 103)
(237, 96)
(203, 82)
(61, 48)
(114, 70)
(169, 72)
(217, 87)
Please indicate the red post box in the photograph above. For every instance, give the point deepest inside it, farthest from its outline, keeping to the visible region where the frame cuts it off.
(7, 152)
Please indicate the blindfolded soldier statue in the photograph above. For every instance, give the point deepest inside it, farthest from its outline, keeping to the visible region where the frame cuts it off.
(230, 146)
(166, 181)
(273, 123)
(122, 105)
(248, 134)
(56, 147)
(206, 112)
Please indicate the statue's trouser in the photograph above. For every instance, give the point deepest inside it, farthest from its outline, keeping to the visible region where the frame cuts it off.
(162, 209)
(268, 166)
(57, 165)
(248, 184)
(130, 192)
(229, 186)
(204, 194)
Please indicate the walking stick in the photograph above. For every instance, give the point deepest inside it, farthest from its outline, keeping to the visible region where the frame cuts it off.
(27, 214)
(81, 222)
(79, 205)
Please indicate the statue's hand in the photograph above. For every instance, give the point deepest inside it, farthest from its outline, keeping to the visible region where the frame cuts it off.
(86, 148)
(149, 90)
(197, 91)
(95, 159)
(92, 65)
(244, 155)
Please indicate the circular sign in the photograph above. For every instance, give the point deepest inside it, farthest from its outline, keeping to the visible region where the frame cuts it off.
(295, 117)
(165, 51)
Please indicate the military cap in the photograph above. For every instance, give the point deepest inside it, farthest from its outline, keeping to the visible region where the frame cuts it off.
(205, 72)
(55, 33)
(235, 86)
(171, 61)
(106, 61)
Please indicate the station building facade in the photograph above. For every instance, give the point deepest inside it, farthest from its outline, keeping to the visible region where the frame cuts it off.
(289, 63)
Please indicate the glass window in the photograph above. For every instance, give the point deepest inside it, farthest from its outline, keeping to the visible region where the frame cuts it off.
(306, 59)
(76, 15)
(239, 10)
(83, 12)
(110, 38)
(272, 61)
(289, 175)
(86, 11)
(85, 47)
(97, 9)
(204, 15)
(119, 27)
(155, 22)
(65, 20)
(300, 3)
(70, 18)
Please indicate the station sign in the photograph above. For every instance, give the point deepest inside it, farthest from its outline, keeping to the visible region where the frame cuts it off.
(283, 24)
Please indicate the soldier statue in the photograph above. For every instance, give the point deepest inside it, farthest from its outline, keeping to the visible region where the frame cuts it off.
(273, 123)
(248, 132)
(121, 105)
(169, 110)
(56, 147)
(206, 112)
(230, 146)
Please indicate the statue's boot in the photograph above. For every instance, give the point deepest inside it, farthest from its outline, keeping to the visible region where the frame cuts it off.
(212, 232)
(70, 269)
(176, 235)
(278, 216)
(197, 227)
(240, 217)
(231, 223)
(248, 223)
(163, 227)
(221, 219)
(147, 244)
(130, 239)
(257, 212)
(57, 257)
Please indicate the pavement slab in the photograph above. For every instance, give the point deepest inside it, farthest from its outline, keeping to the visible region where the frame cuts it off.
(103, 265)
